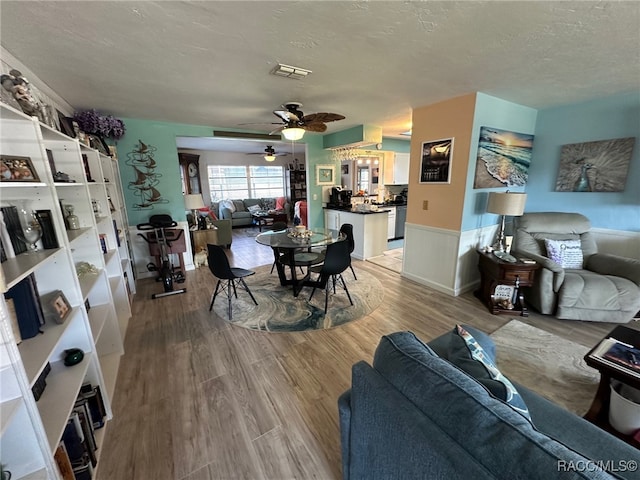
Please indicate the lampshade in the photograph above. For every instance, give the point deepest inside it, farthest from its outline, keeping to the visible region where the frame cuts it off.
(269, 158)
(293, 134)
(507, 203)
(193, 202)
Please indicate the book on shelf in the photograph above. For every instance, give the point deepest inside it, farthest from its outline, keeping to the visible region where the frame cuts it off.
(93, 396)
(619, 355)
(64, 463)
(45, 219)
(14, 229)
(27, 306)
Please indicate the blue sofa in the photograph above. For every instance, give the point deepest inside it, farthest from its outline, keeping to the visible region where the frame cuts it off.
(414, 415)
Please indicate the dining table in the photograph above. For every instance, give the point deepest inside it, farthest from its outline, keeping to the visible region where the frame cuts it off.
(292, 248)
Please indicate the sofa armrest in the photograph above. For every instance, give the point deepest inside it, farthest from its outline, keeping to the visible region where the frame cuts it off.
(224, 231)
(607, 264)
(344, 411)
(544, 262)
(225, 213)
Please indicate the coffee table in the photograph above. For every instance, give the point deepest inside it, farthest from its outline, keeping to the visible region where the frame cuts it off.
(263, 219)
(598, 414)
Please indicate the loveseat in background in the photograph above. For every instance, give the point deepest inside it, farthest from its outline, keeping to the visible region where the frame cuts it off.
(240, 211)
(415, 415)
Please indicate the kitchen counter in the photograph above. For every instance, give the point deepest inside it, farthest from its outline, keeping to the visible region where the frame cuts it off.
(369, 229)
(358, 212)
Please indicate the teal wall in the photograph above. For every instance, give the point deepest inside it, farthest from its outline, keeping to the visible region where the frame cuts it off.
(162, 137)
(396, 145)
(607, 118)
(492, 112)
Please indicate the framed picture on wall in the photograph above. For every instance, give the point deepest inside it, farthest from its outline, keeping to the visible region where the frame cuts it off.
(325, 175)
(435, 162)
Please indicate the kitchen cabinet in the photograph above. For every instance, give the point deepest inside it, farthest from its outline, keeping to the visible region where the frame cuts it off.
(369, 230)
(396, 169)
(391, 223)
(99, 301)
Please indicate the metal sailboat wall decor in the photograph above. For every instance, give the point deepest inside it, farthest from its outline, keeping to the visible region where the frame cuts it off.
(146, 179)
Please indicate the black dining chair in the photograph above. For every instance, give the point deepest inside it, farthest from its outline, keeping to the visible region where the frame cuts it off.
(337, 260)
(347, 230)
(277, 227)
(220, 268)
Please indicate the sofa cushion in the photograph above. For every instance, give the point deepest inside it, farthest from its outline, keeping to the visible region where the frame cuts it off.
(467, 354)
(239, 206)
(566, 253)
(466, 413)
(250, 202)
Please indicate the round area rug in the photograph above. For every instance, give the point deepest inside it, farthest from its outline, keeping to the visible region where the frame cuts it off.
(279, 311)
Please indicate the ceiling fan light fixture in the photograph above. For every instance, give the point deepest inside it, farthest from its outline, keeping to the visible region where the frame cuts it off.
(293, 133)
(269, 158)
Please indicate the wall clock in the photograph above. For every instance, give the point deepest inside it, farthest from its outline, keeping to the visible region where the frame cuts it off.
(193, 170)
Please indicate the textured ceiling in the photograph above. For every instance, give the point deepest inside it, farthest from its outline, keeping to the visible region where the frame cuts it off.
(208, 63)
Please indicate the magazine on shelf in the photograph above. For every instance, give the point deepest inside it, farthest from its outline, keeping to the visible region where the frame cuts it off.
(618, 354)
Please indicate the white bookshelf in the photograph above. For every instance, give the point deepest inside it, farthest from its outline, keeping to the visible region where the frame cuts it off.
(30, 431)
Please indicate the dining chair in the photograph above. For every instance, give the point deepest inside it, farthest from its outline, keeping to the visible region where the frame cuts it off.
(220, 268)
(277, 227)
(337, 260)
(347, 230)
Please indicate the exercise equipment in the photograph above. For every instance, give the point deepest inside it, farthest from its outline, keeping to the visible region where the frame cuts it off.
(163, 235)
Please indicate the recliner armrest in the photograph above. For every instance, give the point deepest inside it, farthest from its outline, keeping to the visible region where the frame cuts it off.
(544, 262)
(607, 264)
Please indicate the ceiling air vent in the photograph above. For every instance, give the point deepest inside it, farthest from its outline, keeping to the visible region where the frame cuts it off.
(289, 71)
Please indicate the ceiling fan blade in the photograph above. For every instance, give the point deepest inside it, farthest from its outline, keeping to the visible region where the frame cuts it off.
(286, 116)
(323, 117)
(315, 127)
(277, 130)
(260, 123)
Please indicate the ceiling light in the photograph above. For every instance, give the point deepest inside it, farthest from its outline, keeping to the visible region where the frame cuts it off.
(293, 134)
(269, 158)
(289, 71)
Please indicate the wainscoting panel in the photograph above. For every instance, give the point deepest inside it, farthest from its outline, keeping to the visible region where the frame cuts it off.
(467, 273)
(618, 242)
(430, 256)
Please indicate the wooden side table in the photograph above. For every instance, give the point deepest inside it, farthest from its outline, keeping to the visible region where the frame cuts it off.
(202, 237)
(509, 277)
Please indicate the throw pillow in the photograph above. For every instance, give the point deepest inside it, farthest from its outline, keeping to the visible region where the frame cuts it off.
(254, 209)
(566, 253)
(268, 203)
(228, 204)
(239, 204)
(467, 354)
(280, 202)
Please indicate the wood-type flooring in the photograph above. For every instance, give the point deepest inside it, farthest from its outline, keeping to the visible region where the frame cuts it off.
(199, 399)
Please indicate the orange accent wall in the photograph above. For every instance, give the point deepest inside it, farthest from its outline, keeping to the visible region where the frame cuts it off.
(451, 118)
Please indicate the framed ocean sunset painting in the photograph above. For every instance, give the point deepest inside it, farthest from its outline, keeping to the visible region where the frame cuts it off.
(503, 158)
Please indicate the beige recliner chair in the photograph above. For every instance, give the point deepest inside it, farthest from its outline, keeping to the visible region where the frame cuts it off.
(606, 288)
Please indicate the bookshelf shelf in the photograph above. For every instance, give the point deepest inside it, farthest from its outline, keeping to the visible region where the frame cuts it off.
(30, 431)
(56, 402)
(8, 410)
(35, 351)
(97, 318)
(15, 269)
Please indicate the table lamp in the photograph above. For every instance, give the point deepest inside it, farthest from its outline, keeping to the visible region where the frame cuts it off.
(507, 203)
(193, 202)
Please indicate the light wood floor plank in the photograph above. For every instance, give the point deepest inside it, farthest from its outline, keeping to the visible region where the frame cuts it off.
(199, 399)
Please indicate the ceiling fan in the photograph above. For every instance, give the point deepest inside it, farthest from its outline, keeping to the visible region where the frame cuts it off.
(269, 153)
(294, 122)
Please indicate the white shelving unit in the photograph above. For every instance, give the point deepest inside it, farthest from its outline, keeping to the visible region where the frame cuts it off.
(30, 431)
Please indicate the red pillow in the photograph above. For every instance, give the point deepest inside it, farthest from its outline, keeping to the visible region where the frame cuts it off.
(280, 201)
